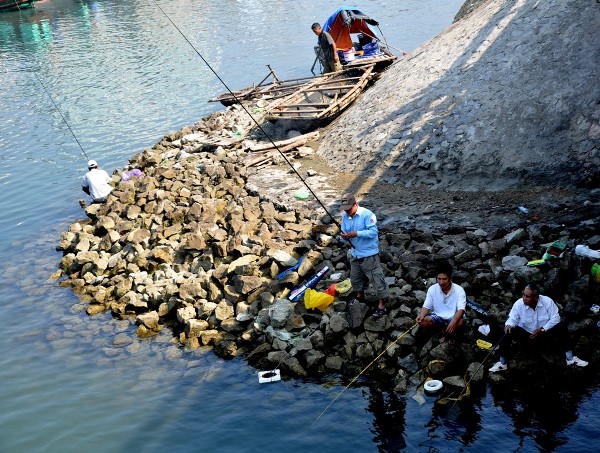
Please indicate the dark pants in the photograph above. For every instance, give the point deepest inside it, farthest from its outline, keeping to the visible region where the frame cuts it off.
(555, 338)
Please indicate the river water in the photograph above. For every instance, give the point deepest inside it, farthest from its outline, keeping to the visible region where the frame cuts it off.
(122, 76)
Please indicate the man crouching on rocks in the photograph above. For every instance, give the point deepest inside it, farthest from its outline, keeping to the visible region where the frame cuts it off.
(359, 227)
(444, 305)
(534, 320)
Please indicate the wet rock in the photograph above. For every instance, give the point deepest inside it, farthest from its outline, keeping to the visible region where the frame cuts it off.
(334, 363)
(455, 381)
(475, 372)
(148, 320)
(195, 327)
(312, 359)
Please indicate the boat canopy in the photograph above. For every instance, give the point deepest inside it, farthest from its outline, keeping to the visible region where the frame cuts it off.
(347, 20)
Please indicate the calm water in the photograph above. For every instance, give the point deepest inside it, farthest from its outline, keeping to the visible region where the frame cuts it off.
(123, 77)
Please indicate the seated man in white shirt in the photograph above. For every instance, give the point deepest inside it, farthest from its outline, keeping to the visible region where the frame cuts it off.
(444, 306)
(534, 319)
(96, 183)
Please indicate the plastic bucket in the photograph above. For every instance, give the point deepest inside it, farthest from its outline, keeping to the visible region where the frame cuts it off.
(348, 55)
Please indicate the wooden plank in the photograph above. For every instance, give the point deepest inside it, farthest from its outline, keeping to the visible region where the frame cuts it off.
(342, 79)
(308, 104)
(295, 112)
(299, 140)
(315, 90)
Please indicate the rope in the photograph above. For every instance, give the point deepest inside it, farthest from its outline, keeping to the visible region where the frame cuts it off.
(58, 110)
(363, 370)
(250, 115)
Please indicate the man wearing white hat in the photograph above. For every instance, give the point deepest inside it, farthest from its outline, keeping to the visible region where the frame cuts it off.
(95, 183)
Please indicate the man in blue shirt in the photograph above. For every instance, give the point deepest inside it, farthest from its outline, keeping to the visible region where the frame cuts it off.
(359, 227)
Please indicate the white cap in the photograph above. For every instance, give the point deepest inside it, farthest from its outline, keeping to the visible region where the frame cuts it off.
(92, 163)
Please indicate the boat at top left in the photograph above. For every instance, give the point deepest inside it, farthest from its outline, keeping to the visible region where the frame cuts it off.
(7, 5)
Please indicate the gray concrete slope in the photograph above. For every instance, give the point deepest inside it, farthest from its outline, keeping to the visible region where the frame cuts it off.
(508, 95)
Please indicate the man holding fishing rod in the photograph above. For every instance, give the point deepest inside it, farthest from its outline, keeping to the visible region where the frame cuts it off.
(359, 227)
(534, 321)
(444, 306)
(95, 183)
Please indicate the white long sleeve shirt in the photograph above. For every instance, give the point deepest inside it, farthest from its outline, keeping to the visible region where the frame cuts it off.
(545, 315)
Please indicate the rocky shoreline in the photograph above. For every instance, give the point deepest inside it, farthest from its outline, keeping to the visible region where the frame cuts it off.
(193, 247)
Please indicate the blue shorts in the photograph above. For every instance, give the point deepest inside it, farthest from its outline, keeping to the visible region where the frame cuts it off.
(437, 321)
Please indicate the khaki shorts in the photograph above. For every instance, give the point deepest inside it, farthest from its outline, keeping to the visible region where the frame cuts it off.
(368, 270)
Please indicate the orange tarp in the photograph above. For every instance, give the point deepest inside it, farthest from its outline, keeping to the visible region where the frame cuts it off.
(341, 34)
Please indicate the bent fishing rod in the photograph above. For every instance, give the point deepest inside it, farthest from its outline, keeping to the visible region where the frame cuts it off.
(362, 371)
(63, 117)
(250, 115)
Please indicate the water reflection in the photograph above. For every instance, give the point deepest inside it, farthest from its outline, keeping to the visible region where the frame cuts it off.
(542, 408)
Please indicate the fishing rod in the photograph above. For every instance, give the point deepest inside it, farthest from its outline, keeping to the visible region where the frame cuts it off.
(475, 373)
(63, 117)
(362, 371)
(250, 115)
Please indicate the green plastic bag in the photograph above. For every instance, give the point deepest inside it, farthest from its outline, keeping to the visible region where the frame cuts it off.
(596, 273)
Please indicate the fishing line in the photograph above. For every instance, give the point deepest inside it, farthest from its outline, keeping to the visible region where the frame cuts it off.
(288, 354)
(58, 110)
(474, 374)
(362, 371)
(250, 115)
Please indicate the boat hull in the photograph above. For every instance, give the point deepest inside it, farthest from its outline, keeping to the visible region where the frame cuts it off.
(15, 4)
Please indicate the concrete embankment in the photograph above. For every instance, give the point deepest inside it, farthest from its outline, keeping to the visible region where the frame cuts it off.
(508, 96)
(189, 247)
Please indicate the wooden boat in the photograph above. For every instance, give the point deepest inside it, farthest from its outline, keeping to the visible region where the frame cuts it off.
(274, 89)
(325, 97)
(357, 44)
(15, 4)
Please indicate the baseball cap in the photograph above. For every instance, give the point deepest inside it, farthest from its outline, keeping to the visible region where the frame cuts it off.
(92, 163)
(347, 201)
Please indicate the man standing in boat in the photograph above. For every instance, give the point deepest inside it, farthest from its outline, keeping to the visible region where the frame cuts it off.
(331, 60)
(95, 183)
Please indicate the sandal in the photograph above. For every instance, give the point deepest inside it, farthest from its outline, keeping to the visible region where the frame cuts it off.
(379, 313)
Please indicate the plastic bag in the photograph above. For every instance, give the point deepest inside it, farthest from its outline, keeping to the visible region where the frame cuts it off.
(316, 299)
(331, 290)
(596, 272)
(344, 287)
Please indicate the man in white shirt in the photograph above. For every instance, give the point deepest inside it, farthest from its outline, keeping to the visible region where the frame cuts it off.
(444, 306)
(532, 320)
(95, 183)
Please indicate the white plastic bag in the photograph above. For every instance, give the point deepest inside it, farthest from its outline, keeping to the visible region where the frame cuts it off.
(584, 250)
